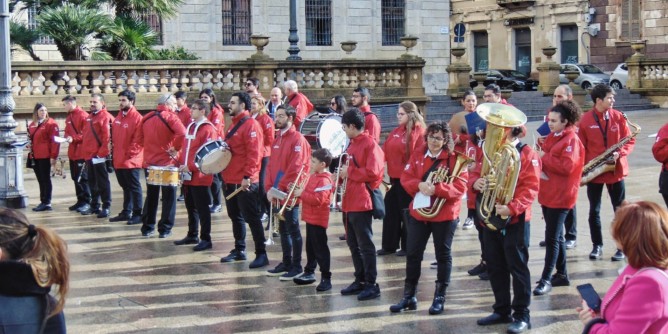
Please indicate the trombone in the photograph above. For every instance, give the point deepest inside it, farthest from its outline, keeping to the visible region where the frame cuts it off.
(339, 190)
(291, 199)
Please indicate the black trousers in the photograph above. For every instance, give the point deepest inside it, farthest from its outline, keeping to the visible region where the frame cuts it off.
(291, 239)
(663, 185)
(594, 193)
(478, 226)
(507, 255)
(43, 173)
(128, 179)
(245, 208)
(317, 250)
(150, 212)
(360, 243)
(394, 227)
(418, 236)
(215, 191)
(264, 202)
(197, 204)
(100, 187)
(80, 177)
(555, 251)
(571, 224)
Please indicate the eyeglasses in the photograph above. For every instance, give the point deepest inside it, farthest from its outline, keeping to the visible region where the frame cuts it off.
(281, 116)
(249, 84)
(432, 138)
(401, 114)
(332, 103)
(487, 96)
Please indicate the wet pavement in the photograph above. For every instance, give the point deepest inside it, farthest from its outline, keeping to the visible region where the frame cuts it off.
(124, 283)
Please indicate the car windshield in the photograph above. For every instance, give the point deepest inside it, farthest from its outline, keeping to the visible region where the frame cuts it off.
(590, 69)
(512, 74)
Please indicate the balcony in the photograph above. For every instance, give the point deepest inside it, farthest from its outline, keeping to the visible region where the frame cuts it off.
(515, 4)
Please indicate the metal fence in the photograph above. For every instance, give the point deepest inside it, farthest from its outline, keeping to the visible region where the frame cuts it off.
(318, 22)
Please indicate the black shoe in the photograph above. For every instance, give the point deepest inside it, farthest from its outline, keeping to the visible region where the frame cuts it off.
(543, 288)
(353, 289)
(343, 237)
(165, 234)
(216, 208)
(570, 244)
(104, 213)
(406, 303)
(370, 291)
(304, 279)
(83, 207)
(148, 234)
(401, 252)
(181, 198)
(542, 243)
(120, 218)
(42, 207)
(91, 211)
(325, 285)
(494, 319)
(433, 265)
(135, 220)
(382, 252)
(596, 253)
(203, 245)
(74, 207)
(484, 276)
(477, 270)
(560, 280)
(619, 256)
(235, 255)
(518, 326)
(260, 261)
(291, 274)
(188, 240)
(279, 270)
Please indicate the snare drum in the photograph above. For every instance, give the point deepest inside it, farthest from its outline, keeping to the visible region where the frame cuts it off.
(325, 131)
(213, 157)
(163, 176)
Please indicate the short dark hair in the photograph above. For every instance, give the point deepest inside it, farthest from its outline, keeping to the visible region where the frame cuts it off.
(364, 92)
(128, 94)
(69, 98)
(600, 91)
(441, 126)
(181, 95)
(98, 95)
(353, 117)
(494, 88)
(254, 80)
(569, 111)
(468, 92)
(323, 155)
(202, 105)
(289, 111)
(244, 98)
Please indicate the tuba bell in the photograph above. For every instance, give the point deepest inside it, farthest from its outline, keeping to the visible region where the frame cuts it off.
(501, 161)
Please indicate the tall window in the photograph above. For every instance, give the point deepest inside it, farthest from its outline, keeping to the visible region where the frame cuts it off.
(153, 21)
(481, 50)
(318, 22)
(569, 44)
(630, 11)
(393, 18)
(32, 25)
(236, 22)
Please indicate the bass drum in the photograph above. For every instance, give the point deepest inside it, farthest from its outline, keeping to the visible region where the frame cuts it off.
(325, 131)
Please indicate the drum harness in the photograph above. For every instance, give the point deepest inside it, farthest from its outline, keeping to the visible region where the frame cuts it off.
(190, 139)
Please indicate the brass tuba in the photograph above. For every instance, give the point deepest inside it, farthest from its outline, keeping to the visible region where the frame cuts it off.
(501, 160)
(441, 175)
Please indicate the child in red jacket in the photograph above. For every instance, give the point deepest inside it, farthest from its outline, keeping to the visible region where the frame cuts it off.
(315, 212)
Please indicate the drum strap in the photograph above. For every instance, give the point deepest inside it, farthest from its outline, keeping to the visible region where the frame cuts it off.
(157, 113)
(236, 127)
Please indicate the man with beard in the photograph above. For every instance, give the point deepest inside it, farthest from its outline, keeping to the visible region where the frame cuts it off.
(360, 100)
(74, 125)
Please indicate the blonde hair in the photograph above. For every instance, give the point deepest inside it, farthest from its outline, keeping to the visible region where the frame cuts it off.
(261, 105)
(415, 119)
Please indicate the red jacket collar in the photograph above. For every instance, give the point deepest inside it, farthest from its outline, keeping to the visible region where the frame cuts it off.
(241, 115)
(366, 108)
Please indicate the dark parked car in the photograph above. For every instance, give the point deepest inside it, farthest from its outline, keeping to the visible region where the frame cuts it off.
(508, 79)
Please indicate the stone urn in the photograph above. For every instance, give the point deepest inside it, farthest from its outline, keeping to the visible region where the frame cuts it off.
(549, 51)
(408, 42)
(506, 93)
(348, 46)
(480, 78)
(571, 75)
(458, 52)
(638, 47)
(259, 41)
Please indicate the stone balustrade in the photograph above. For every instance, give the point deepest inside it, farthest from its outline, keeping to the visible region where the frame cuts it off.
(649, 77)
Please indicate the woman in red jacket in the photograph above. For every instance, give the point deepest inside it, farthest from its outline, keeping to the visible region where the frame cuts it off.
(660, 152)
(398, 147)
(44, 150)
(217, 118)
(439, 156)
(259, 112)
(562, 158)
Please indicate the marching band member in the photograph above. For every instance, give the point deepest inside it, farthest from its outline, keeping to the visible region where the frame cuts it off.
(562, 157)
(290, 156)
(600, 128)
(44, 151)
(95, 149)
(128, 157)
(438, 156)
(74, 124)
(252, 85)
(398, 147)
(337, 105)
(183, 111)
(161, 133)
(217, 118)
(297, 100)
(364, 168)
(360, 100)
(196, 189)
(660, 152)
(245, 141)
(259, 113)
(462, 140)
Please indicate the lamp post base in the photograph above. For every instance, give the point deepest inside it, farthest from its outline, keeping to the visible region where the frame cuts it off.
(12, 193)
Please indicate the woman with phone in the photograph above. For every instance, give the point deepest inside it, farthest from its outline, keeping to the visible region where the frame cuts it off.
(637, 301)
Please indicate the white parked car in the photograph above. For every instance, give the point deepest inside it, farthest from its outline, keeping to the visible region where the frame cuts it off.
(590, 75)
(619, 76)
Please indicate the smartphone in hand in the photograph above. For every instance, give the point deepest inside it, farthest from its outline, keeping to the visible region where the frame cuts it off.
(590, 296)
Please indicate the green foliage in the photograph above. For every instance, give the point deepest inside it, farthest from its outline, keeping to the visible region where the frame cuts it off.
(129, 39)
(164, 8)
(24, 37)
(175, 53)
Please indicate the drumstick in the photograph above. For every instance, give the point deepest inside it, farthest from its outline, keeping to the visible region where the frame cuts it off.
(234, 193)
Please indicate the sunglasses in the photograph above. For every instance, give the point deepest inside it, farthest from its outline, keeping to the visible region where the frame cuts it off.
(332, 103)
(249, 84)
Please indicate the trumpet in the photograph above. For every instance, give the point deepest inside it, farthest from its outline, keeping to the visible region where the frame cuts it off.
(339, 190)
(291, 199)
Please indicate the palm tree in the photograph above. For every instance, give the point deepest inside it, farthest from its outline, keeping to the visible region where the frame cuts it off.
(133, 8)
(72, 27)
(129, 39)
(24, 37)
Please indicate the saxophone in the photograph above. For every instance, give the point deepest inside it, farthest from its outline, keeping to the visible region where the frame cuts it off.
(441, 175)
(599, 165)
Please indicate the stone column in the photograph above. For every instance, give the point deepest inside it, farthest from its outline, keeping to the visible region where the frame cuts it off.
(634, 64)
(459, 72)
(548, 72)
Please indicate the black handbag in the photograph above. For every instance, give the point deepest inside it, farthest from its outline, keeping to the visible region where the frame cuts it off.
(30, 161)
(378, 211)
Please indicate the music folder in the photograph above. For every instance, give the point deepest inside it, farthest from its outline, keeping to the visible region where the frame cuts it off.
(475, 123)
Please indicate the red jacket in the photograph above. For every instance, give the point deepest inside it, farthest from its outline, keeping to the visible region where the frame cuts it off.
(128, 150)
(74, 124)
(157, 138)
(591, 135)
(316, 198)
(217, 118)
(366, 166)
(205, 133)
(267, 125)
(185, 115)
(246, 147)
(371, 123)
(660, 147)
(418, 165)
(474, 168)
(395, 148)
(562, 170)
(302, 105)
(289, 153)
(101, 122)
(528, 183)
(41, 139)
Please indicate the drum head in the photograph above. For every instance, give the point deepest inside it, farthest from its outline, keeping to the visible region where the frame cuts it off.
(215, 162)
(331, 135)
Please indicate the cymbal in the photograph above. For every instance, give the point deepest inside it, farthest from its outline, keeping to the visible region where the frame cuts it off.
(501, 114)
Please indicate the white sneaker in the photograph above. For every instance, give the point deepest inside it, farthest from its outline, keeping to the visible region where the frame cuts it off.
(468, 224)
